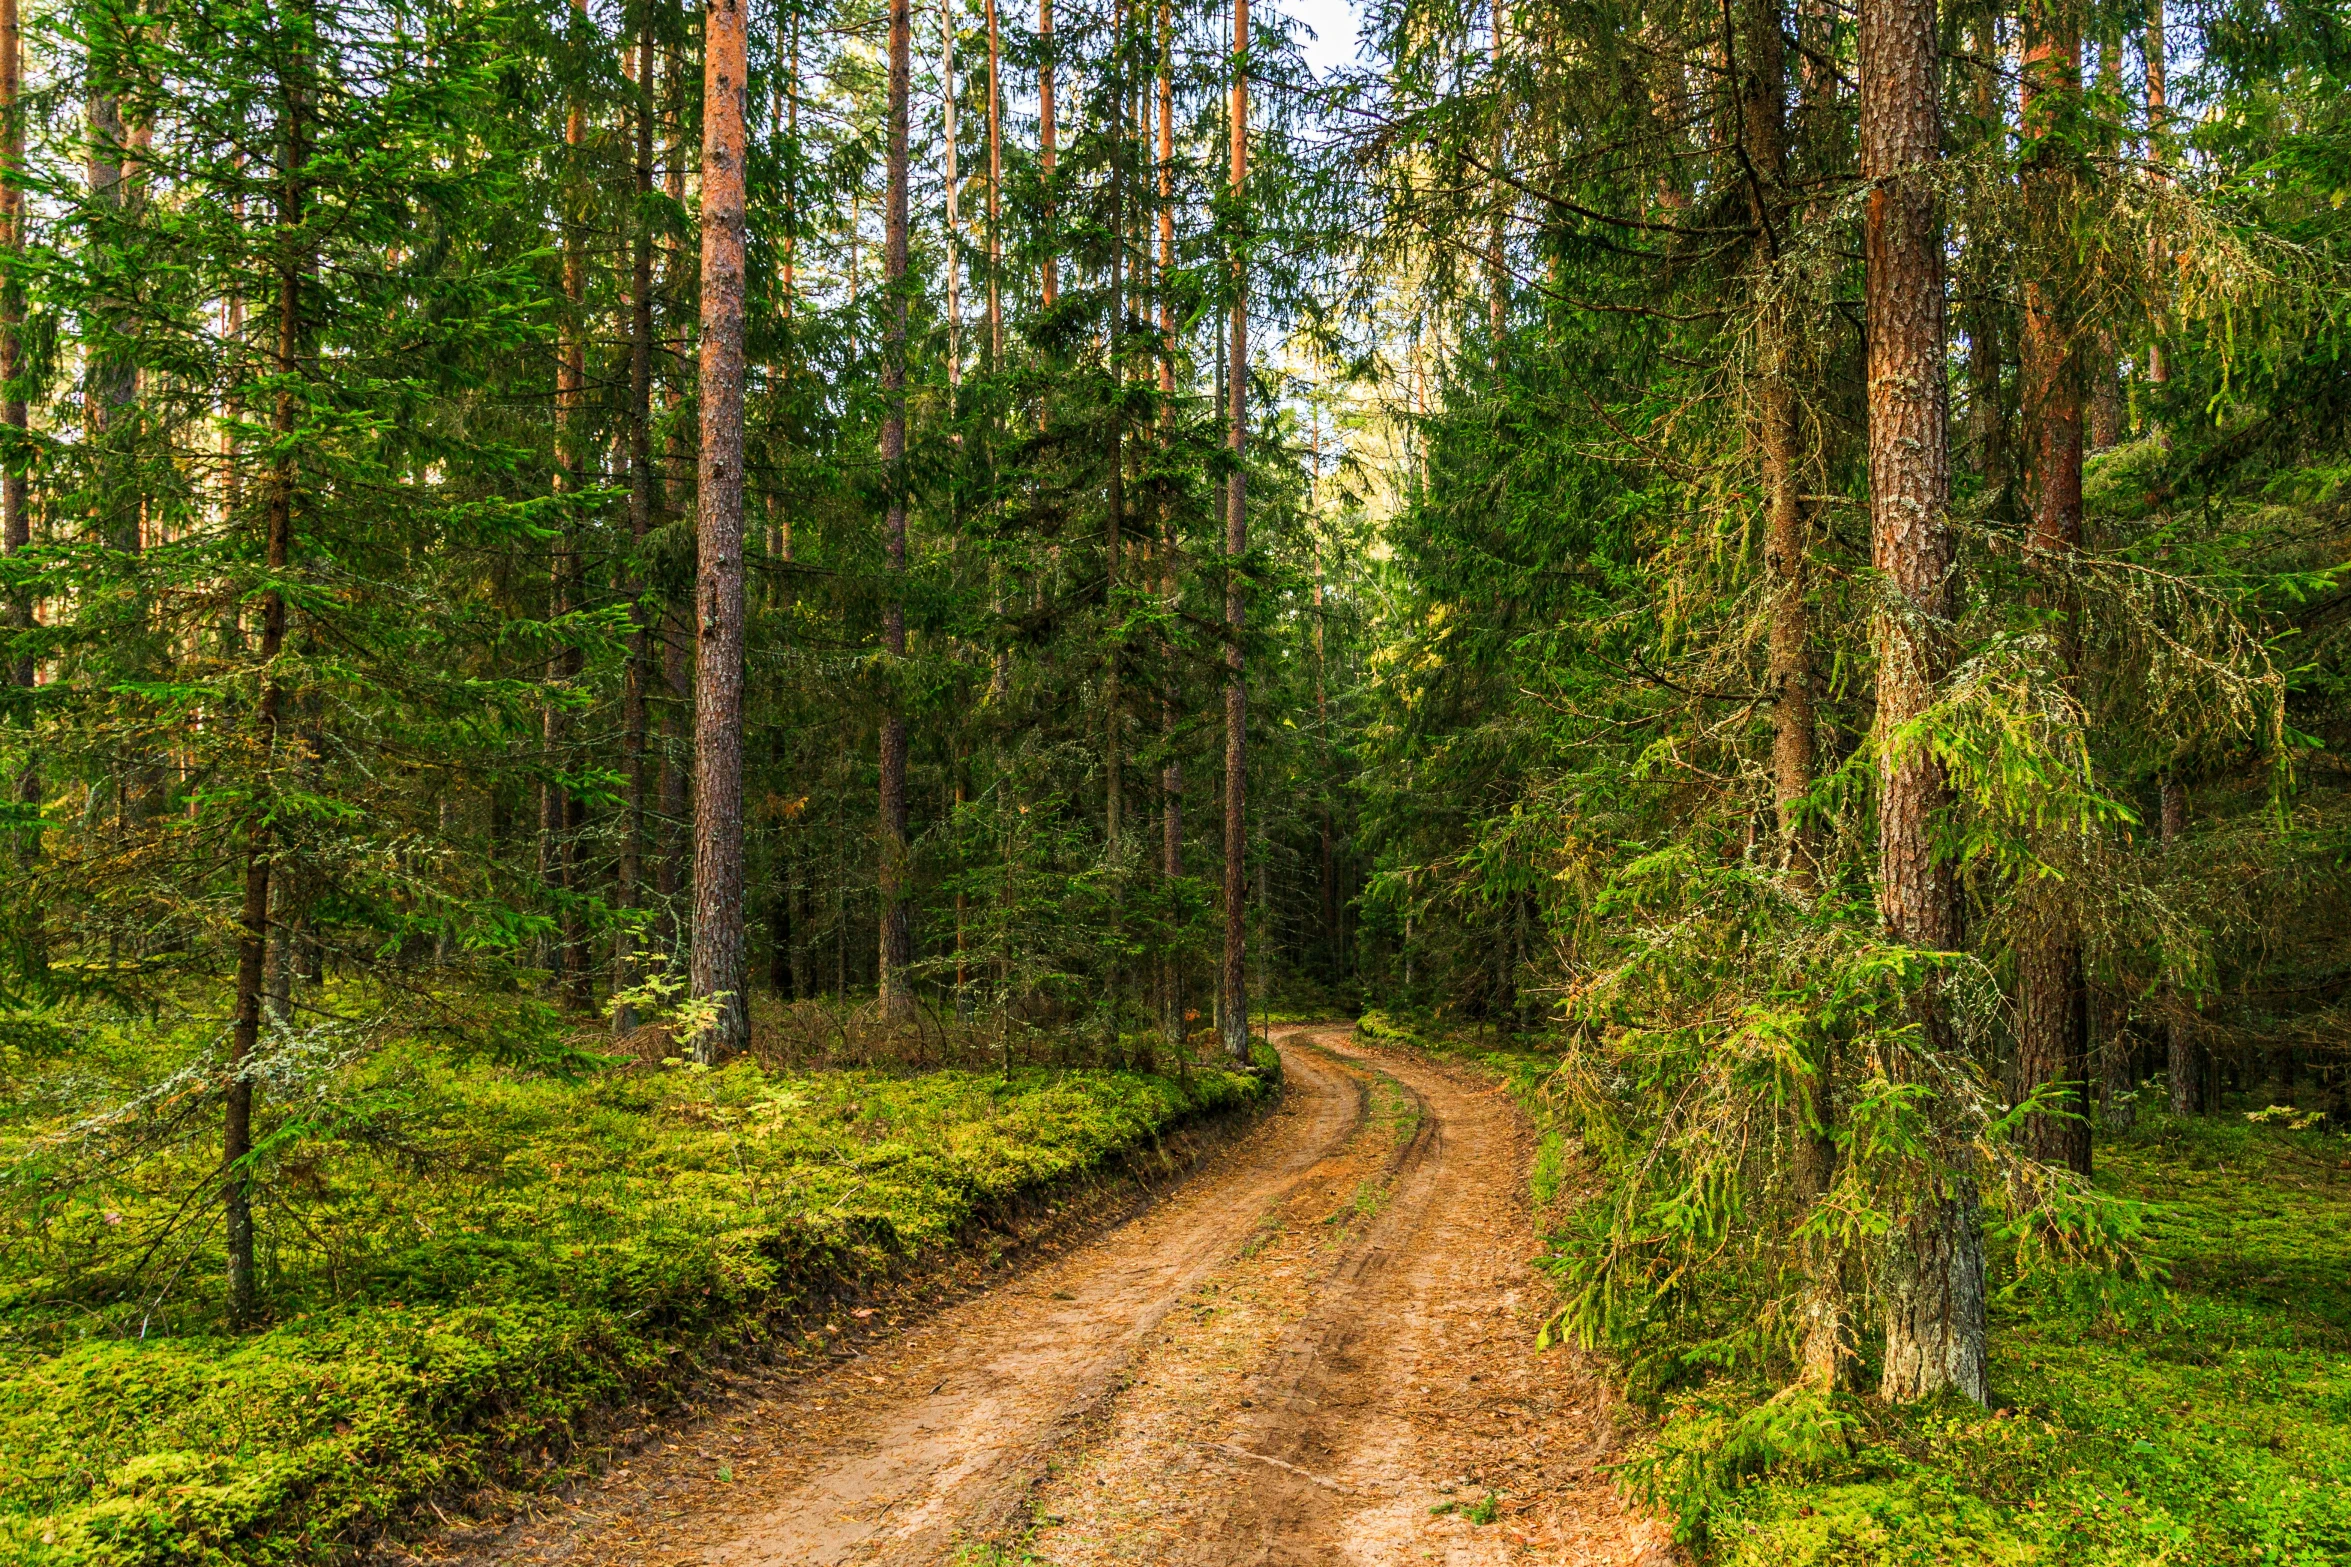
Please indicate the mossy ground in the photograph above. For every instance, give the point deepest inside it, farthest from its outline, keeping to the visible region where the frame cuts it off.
(2203, 1421)
(465, 1264)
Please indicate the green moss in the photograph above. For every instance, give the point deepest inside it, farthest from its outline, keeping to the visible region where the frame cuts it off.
(2204, 1423)
(472, 1263)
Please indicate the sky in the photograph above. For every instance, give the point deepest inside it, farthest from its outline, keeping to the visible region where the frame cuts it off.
(1333, 23)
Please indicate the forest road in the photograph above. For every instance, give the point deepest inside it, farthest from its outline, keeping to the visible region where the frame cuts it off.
(1318, 1349)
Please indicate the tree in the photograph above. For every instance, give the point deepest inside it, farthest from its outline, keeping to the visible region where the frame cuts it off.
(2053, 1046)
(1935, 1268)
(1232, 1008)
(719, 976)
(897, 928)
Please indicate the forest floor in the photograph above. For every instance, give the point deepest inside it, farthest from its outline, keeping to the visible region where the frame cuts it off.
(1320, 1348)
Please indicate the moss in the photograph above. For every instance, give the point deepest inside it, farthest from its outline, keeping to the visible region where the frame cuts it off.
(473, 1265)
(2203, 1422)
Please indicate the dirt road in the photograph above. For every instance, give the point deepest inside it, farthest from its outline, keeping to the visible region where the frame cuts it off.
(1318, 1349)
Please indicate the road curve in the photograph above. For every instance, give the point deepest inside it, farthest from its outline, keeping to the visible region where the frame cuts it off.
(1351, 1376)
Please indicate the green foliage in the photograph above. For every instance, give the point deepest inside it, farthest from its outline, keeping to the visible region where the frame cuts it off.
(468, 1264)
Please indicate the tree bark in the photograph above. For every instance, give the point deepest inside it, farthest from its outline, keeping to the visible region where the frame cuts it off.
(954, 235)
(1045, 142)
(16, 534)
(110, 384)
(1762, 83)
(1171, 767)
(995, 188)
(1987, 421)
(2158, 127)
(896, 958)
(1327, 851)
(2110, 1020)
(1233, 992)
(1935, 1298)
(1763, 95)
(2053, 1047)
(2183, 1061)
(637, 678)
(1497, 272)
(292, 263)
(559, 811)
(718, 973)
(675, 630)
(1113, 524)
(2105, 381)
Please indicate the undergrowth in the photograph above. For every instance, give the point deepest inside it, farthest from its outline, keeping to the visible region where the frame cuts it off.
(2196, 1413)
(2206, 1420)
(468, 1265)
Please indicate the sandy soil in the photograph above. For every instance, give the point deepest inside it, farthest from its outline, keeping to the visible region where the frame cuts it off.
(1318, 1349)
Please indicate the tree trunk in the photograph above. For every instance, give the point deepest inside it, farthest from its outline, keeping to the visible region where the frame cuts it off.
(1327, 853)
(1763, 103)
(2158, 128)
(1233, 993)
(2105, 381)
(954, 236)
(1497, 271)
(1113, 524)
(1171, 767)
(718, 970)
(2182, 1058)
(2053, 1032)
(2110, 1017)
(995, 233)
(788, 90)
(559, 811)
(278, 551)
(1935, 1297)
(110, 378)
(676, 633)
(1045, 135)
(1987, 421)
(896, 958)
(638, 676)
(1762, 84)
(16, 534)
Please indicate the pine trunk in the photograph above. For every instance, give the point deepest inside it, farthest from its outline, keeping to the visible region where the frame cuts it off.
(278, 551)
(674, 829)
(1045, 143)
(1497, 271)
(2153, 50)
(16, 534)
(1171, 768)
(2183, 1061)
(637, 679)
(897, 930)
(1934, 1277)
(995, 235)
(1763, 104)
(2053, 1042)
(111, 379)
(1233, 991)
(1987, 421)
(1114, 522)
(718, 973)
(558, 810)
